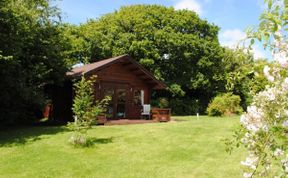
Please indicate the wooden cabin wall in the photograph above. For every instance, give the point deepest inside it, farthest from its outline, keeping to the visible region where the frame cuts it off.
(117, 74)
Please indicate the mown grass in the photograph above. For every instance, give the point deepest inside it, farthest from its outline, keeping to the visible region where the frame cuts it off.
(191, 148)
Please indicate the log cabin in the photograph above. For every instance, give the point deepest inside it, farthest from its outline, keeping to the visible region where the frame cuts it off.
(125, 80)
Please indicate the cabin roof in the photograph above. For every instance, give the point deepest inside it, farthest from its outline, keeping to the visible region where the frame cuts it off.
(126, 61)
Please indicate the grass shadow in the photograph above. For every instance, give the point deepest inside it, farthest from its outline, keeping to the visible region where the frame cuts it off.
(90, 141)
(101, 140)
(179, 120)
(23, 135)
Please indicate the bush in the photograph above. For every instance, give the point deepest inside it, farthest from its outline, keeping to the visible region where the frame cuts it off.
(225, 104)
(81, 140)
(160, 102)
(163, 103)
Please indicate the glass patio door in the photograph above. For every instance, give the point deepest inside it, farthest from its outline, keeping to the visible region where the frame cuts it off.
(117, 106)
(121, 103)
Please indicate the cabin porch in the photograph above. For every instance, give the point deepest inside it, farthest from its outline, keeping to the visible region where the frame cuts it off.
(157, 115)
(128, 121)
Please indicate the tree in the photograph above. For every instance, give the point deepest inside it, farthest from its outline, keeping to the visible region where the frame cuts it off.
(175, 45)
(85, 110)
(78, 48)
(84, 107)
(243, 74)
(30, 35)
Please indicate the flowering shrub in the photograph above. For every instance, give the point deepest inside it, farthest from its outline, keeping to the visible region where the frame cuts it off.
(264, 130)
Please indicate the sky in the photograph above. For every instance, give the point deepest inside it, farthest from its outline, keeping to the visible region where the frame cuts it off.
(232, 16)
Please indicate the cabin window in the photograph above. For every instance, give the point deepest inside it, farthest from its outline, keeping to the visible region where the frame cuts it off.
(138, 97)
(109, 92)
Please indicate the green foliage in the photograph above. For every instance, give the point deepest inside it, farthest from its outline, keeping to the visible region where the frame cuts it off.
(244, 75)
(176, 90)
(83, 105)
(225, 104)
(30, 34)
(161, 102)
(85, 110)
(77, 47)
(175, 45)
(186, 106)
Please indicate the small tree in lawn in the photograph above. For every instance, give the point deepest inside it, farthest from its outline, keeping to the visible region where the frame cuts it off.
(85, 110)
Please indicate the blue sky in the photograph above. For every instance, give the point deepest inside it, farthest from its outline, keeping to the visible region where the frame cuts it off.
(232, 16)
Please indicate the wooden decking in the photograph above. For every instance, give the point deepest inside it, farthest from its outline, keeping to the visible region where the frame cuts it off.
(128, 121)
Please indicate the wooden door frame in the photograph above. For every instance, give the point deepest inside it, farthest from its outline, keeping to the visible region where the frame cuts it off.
(117, 85)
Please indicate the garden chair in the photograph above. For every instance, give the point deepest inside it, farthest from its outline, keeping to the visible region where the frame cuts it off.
(146, 110)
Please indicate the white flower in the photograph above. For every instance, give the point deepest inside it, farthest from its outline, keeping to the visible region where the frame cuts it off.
(279, 34)
(266, 70)
(281, 58)
(244, 140)
(250, 161)
(255, 112)
(271, 94)
(286, 112)
(278, 152)
(247, 175)
(247, 138)
(285, 123)
(285, 84)
(267, 74)
(253, 120)
(243, 119)
(267, 167)
(265, 128)
(269, 109)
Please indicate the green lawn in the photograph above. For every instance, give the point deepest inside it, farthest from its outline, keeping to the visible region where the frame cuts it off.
(188, 148)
